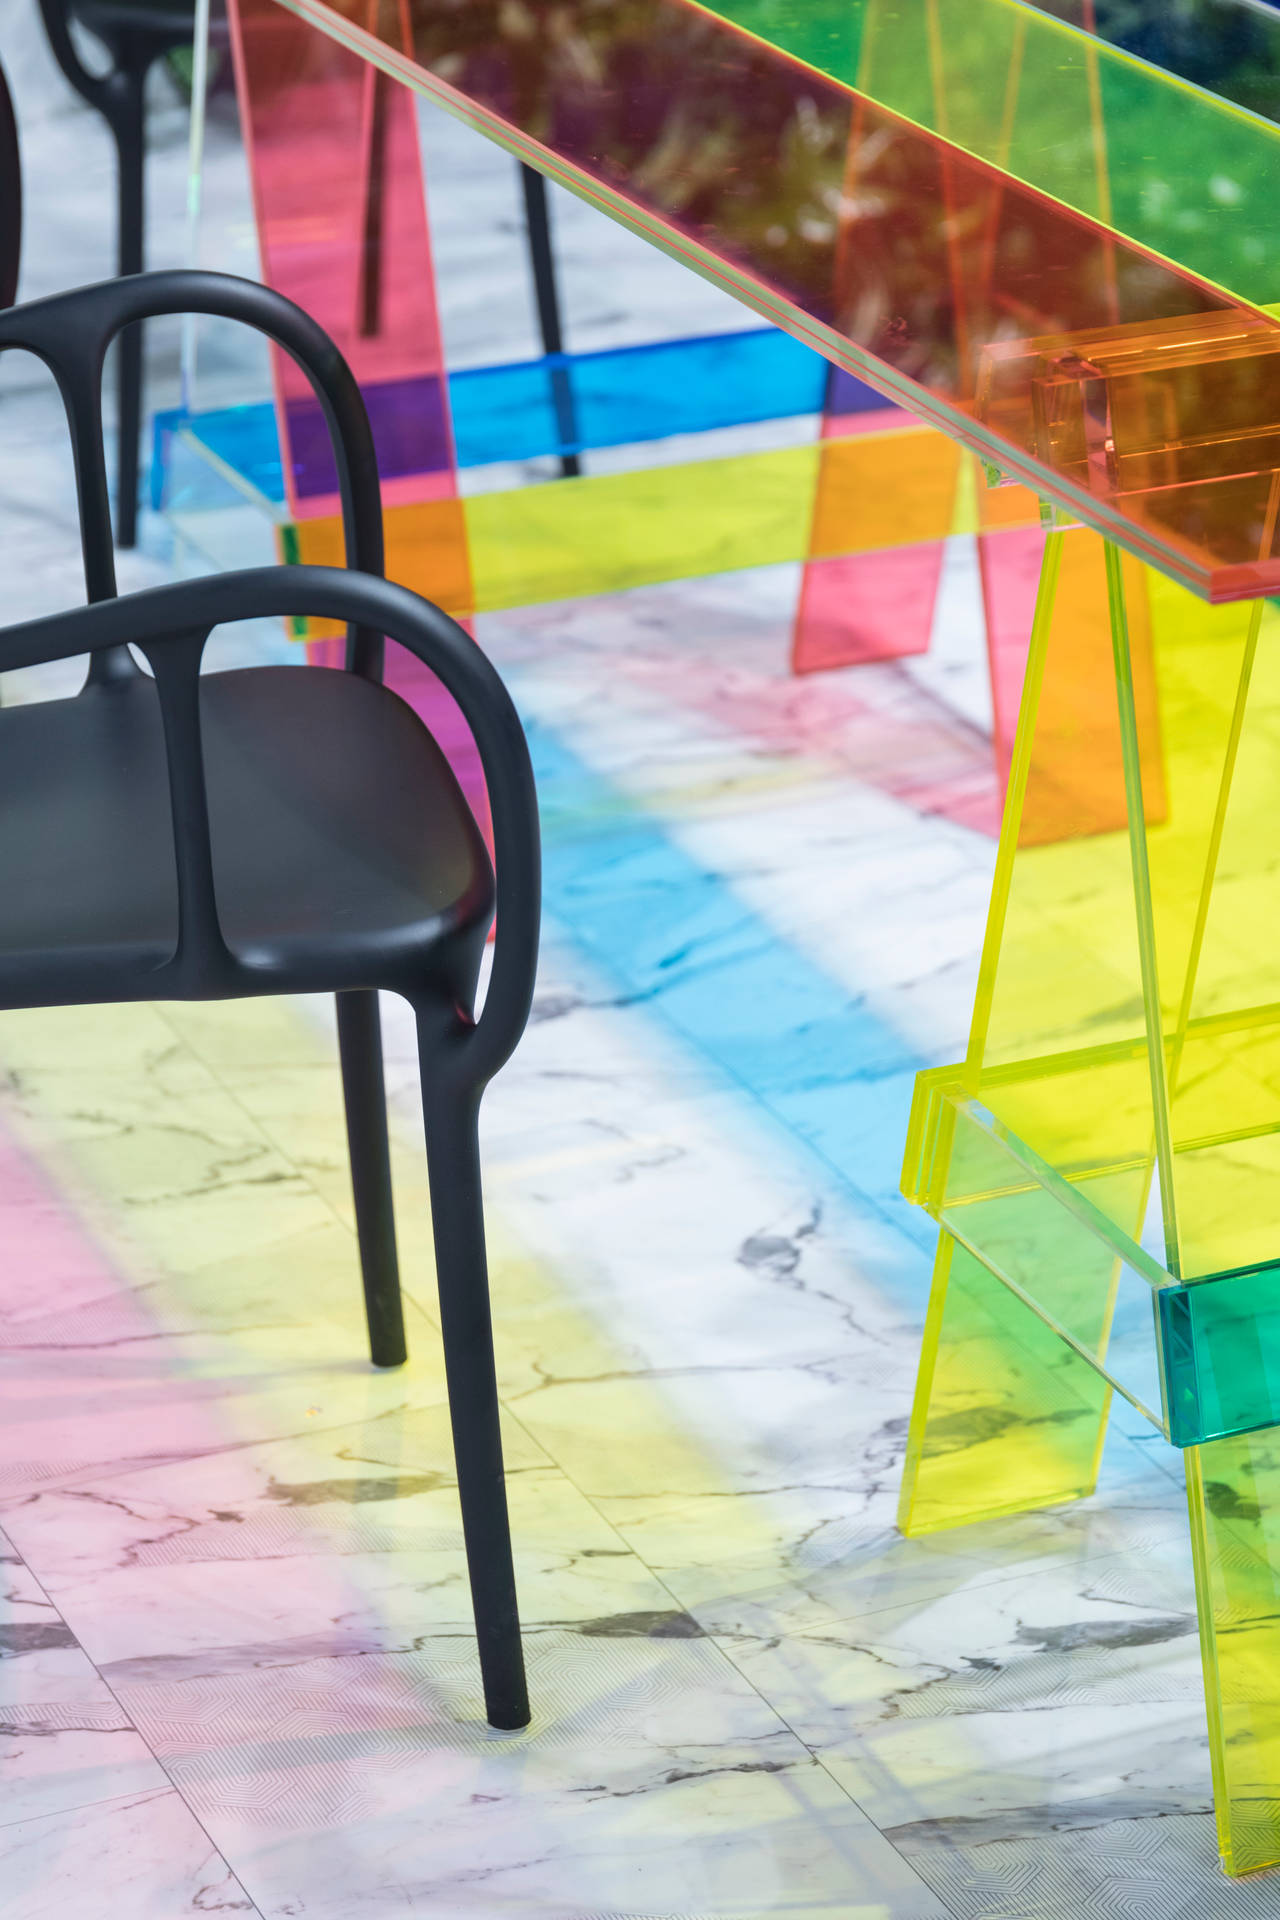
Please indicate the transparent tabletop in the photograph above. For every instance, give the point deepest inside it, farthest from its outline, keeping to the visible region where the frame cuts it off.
(1050, 248)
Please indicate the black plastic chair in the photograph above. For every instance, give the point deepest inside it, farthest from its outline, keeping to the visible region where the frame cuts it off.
(10, 198)
(284, 830)
(135, 33)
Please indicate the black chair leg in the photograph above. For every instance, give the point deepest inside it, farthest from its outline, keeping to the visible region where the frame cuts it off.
(547, 294)
(457, 1217)
(128, 124)
(364, 1093)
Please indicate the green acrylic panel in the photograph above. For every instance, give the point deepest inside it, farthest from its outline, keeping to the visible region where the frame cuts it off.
(1046, 1236)
(1172, 165)
(1200, 1359)
(826, 34)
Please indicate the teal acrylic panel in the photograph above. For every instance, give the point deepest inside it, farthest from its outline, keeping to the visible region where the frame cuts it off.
(1220, 1343)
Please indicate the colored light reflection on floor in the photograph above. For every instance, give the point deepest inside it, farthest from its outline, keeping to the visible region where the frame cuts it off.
(236, 1554)
(251, 1585)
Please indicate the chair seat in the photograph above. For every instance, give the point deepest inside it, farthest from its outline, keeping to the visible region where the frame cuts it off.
(344, 853)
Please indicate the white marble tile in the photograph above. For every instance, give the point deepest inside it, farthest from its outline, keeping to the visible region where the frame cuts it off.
(185, 1174)
(41, 1662)
(149, 1218)
(652, 1781)
(75, 1416)
(838, 858)
(343, 1541)
(993, 1715)
(290, 1627)
(144, 1853)
(68, 1748)
(65, 1740)
(1161, 1869)
(65, 1754)
(383, 1485)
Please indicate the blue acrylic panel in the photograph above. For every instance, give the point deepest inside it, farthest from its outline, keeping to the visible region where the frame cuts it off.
(243, 439)
(566, 403)
(630, 394)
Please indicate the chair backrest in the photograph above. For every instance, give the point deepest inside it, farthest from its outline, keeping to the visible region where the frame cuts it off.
(71, 332)
(10, 198)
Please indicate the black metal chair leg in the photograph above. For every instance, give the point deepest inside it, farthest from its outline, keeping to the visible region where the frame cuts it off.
(128, 124)
(547, 294)
(457, 1216)
(364, 1094)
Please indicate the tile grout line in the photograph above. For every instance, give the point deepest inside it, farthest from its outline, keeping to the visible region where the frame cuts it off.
(173, 1786)
(112, 1799)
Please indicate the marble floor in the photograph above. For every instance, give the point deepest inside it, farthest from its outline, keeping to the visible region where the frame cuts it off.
(236, 1666)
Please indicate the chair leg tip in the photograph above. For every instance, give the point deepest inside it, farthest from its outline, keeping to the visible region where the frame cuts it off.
(387, 1362)
(509, 1719)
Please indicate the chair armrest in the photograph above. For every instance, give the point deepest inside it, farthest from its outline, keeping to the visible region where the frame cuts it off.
(164, 618)
(96, 88)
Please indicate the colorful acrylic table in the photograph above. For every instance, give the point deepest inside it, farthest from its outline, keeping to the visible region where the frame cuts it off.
(1059, 258)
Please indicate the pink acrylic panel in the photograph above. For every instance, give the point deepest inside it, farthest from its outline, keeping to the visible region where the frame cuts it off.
(342, 221)
(861, 607)
(342, 227)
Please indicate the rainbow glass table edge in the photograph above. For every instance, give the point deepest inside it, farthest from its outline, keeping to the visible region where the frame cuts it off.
(1213, 531)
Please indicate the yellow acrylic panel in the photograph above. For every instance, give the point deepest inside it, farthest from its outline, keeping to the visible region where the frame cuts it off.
(607, 532)
(1122, 1090)
(1006, 1418)
(1075, 786)
(1048, 1237)
(1217, 917)
(1057, 1051)
(1068, 976)
(601, 534)
(611, 531)
(1233, 1494)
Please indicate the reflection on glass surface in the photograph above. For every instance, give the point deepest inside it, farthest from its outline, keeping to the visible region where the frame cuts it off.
(1231, 47)
(899, 254)
(1176, 167)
